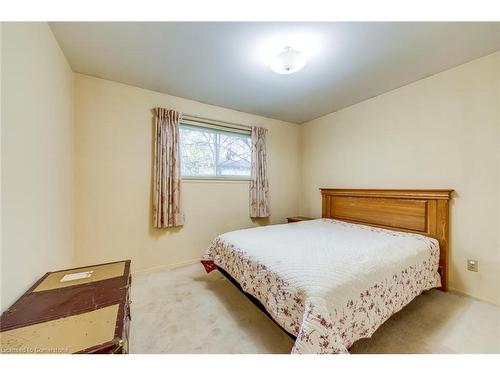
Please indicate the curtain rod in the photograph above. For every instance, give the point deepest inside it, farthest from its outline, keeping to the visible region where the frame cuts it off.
(210, 120)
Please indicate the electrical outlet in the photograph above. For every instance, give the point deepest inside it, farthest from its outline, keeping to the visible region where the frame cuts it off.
(472, 265)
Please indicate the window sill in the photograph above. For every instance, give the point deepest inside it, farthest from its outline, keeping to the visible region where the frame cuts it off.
(232, 180)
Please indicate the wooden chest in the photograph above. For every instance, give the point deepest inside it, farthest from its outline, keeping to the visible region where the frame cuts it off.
(71, 315)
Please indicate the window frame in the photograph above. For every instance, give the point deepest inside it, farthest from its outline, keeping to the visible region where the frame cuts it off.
(216, 128)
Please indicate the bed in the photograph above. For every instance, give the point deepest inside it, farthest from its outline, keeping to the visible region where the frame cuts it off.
(332, 281)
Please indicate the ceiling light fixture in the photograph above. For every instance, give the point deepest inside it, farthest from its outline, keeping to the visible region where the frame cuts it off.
(288, 61)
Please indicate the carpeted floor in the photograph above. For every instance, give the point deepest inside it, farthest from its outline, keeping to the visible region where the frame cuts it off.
(187, 311)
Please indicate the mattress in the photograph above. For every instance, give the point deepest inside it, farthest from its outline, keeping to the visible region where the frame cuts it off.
(327, 282)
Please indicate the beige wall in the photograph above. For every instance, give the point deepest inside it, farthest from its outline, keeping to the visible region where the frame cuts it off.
(440, 132)
(37, 157)
(1, 285)
(113, 178)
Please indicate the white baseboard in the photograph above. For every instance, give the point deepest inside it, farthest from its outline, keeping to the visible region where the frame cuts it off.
(461, 293)
(166, 267)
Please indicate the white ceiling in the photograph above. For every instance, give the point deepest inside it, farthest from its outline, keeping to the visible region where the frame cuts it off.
(217, 63)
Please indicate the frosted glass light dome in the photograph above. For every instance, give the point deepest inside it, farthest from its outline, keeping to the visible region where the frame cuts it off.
(288, 61)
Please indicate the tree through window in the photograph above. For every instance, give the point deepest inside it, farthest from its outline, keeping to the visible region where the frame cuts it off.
(214, 153)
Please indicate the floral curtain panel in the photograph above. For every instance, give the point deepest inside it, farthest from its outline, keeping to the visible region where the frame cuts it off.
(166, 170)
(259, 184)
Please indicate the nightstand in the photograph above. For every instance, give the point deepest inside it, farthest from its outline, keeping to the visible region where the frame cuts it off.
(294, 219)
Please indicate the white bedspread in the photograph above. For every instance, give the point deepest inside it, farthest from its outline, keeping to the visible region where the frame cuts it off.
(328, 282)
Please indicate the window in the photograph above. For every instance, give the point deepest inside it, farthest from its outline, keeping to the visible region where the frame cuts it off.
(212, 151)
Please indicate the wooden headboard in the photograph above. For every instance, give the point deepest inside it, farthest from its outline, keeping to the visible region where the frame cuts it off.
(417, 211)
